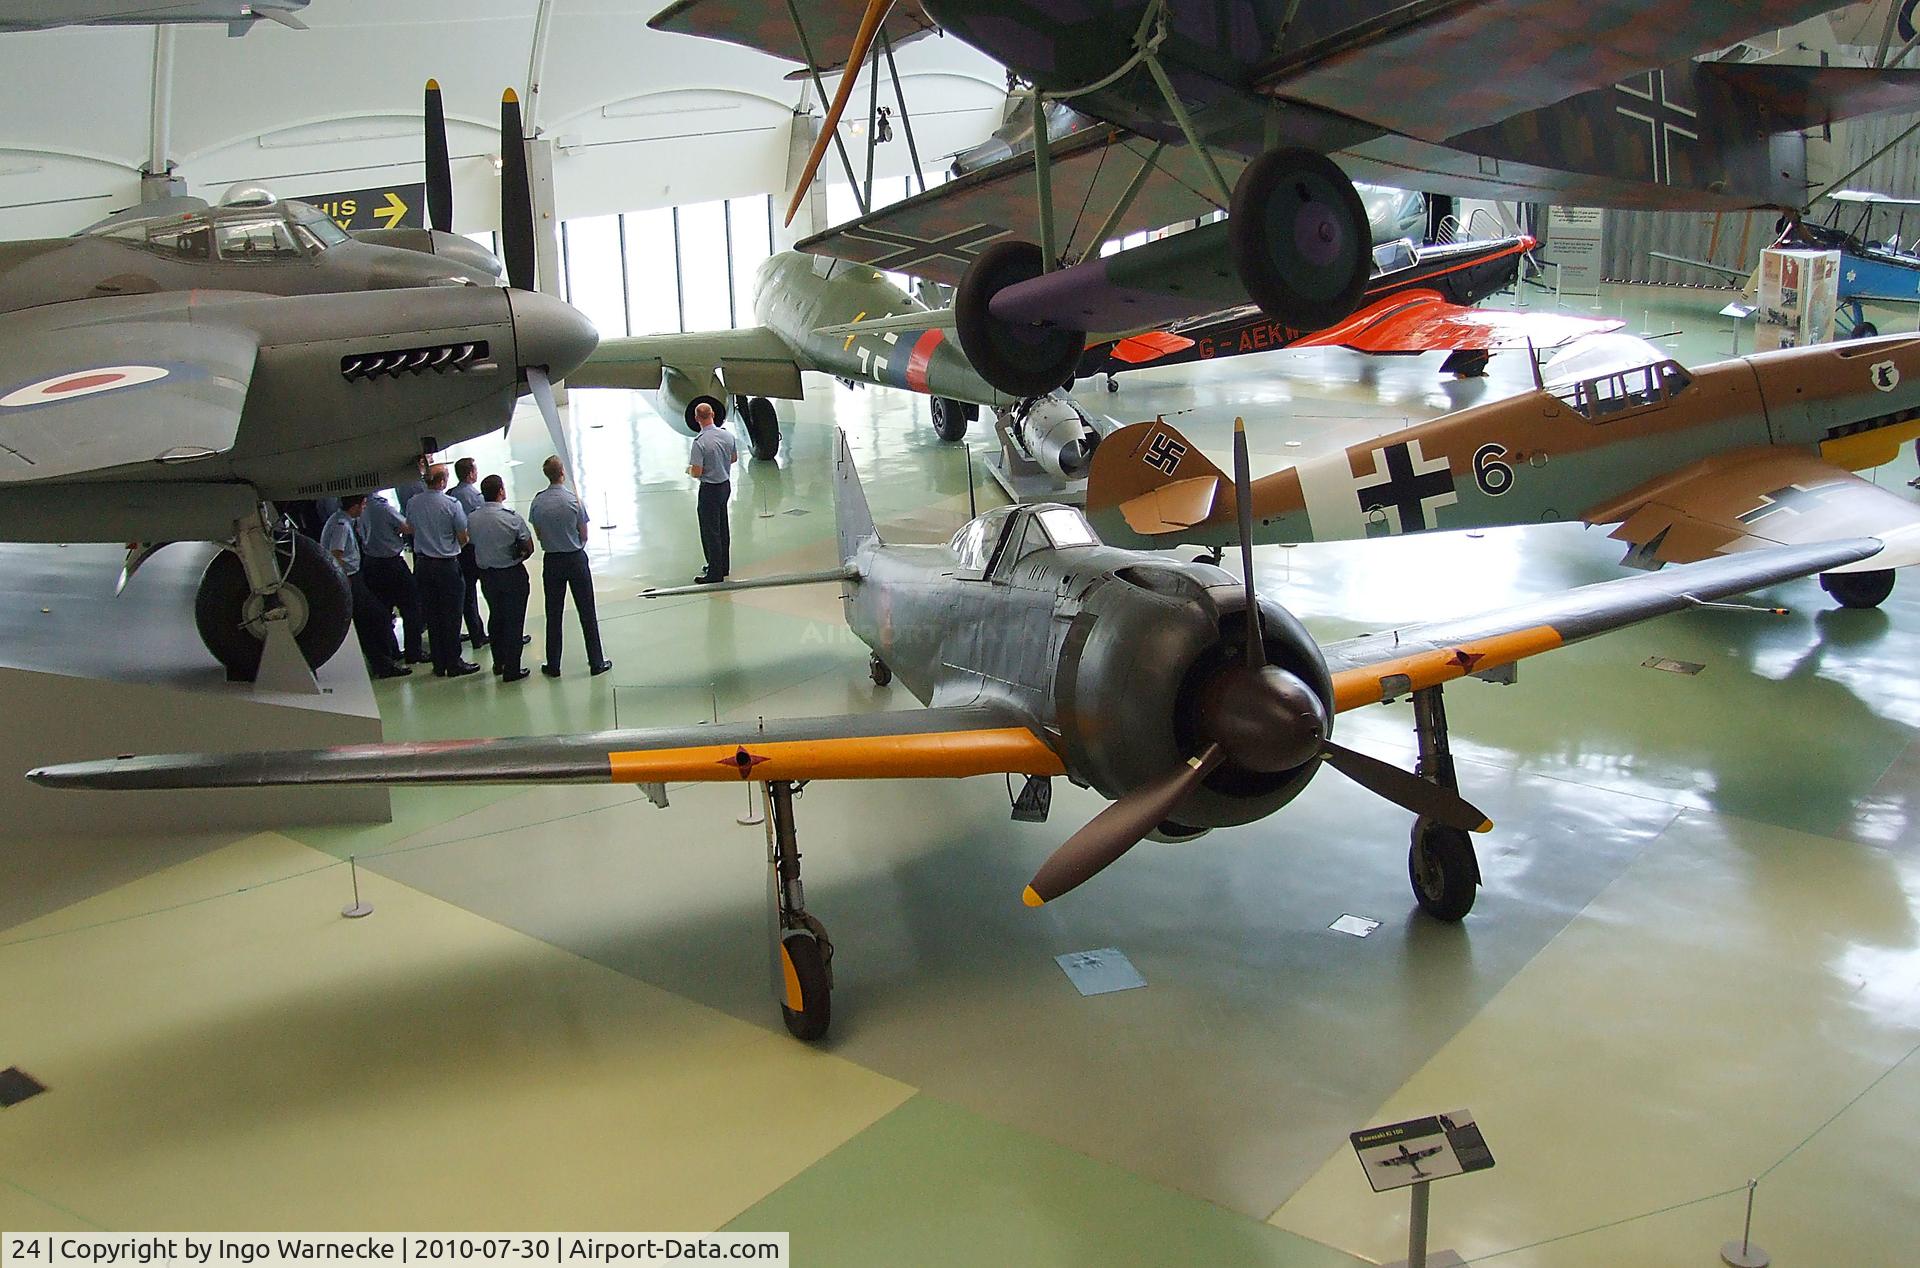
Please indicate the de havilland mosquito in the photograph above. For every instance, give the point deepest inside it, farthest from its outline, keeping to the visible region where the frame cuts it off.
(1168, 687)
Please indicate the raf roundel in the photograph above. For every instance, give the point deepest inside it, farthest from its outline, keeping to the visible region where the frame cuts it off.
(78, 383)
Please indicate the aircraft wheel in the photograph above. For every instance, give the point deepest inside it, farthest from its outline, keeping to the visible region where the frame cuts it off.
(1113, 384)
(1024, 360)
(879, 671)
(316, 594)
(949, 420)
(807, 1009)
(1442, 868)
(763, 428)
(1858, 589)
(1864, 330)
(1299, 238)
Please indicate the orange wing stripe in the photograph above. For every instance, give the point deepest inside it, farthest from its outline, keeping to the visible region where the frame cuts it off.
(950, 754)
(1370, 684)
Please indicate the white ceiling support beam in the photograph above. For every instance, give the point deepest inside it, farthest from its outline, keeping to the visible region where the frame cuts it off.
(537, 66)
(156, 178)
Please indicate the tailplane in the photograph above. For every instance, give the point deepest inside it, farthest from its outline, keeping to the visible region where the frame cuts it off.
(1154, 478)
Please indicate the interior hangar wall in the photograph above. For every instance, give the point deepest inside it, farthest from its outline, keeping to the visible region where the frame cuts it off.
(639, 119)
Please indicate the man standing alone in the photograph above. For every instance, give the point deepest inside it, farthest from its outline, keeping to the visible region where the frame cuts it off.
(560, 521)
(466, 491)
(714, 454)
(439, 527)
(500, 541)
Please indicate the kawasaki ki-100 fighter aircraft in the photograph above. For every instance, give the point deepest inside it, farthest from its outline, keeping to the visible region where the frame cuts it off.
(1684, 464)
(168, 372)
(1247, 105)
(1167, 687)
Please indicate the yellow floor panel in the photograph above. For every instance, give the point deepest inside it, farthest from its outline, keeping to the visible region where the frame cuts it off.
(20, 1210)
(1657, 1053)
(255, 1061)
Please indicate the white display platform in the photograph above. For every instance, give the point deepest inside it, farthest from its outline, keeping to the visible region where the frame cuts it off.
(86, 674)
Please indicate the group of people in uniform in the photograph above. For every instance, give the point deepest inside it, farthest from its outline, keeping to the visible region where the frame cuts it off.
(466, 543)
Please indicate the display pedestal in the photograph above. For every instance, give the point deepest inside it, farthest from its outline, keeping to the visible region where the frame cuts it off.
(86, 674)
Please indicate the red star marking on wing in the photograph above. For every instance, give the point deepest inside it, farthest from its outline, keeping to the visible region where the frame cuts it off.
(743, 761)
(1466, 660)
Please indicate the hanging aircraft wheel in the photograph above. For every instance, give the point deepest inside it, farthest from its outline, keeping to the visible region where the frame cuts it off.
(807, 1008)
(316, 594)
(879, 671)
(1113, 384)
(1864, 330)
(1443, 871)
(949, 420)
(1020, 360)
(1299, 238)
(1858, 589)
(763, 428)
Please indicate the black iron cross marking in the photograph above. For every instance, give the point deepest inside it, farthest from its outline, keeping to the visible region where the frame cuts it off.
(1796, 498)
(1660, 116)
(908, 251)
(1406, 490)
(1164, 453)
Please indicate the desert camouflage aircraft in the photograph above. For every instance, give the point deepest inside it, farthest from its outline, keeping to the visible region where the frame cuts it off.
(1169, 687)
(1685, 464)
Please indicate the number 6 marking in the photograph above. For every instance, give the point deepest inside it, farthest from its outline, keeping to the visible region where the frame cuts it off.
(1492, 475)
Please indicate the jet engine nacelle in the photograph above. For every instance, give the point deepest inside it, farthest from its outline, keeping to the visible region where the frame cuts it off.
(678, 394)
(1134, 671)
(1056, 435)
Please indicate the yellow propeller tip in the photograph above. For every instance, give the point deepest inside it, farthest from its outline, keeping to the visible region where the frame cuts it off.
(1239, 423)
(1486, 825)
(433, 85)
(510, 97)
(1030, 898)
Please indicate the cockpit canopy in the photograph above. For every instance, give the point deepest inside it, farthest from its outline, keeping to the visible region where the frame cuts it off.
(1007, 534)
(284, 231)
(1604, 377)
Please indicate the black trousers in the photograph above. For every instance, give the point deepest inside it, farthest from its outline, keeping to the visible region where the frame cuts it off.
(440, 600)
(470, 606)
(559, 573)
(716, 535)
(372, 624)
(391, 582)
(506, 590)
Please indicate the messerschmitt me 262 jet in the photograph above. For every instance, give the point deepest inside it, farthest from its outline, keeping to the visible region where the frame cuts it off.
(1171, 688)
(172, 370)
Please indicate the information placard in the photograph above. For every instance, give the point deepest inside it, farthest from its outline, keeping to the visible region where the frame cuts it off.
(1400, 1154)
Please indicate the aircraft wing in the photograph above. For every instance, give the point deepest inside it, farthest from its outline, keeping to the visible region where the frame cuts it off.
(939, 742)
(937, 234)
(768, 28)
(1424, 321)
(1390, 664)
(1757, 498)
(752, 361)
(115, 382)
(1868, 196)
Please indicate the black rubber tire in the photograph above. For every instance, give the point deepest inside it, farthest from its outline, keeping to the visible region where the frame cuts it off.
(1441, 867)
(1858, 589)
(1299, 239)
(1865, 330)
(763, 429)
(719, 411)
(1019, 360)
(879, 671)
(1113, 384)
(949, 419)
(804, 952)
(320, 587)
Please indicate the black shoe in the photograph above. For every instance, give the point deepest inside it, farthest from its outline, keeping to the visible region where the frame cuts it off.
(419, 658)
(599, 669)
(478, 643)
(704, 580)
(460, 669)
(516, 675)
(551, 671)
(393, 671)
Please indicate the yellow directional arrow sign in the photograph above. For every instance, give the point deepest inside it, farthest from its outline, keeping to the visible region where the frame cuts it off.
(391, 212)
(382, 207)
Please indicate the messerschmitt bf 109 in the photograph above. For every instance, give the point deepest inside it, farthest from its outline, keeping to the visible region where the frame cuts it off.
(1171, 688)
(1249, 104)
(1684, 464)
(170, 371)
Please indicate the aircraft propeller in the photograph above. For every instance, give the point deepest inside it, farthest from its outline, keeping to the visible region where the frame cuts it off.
(1260, 717)
(876, 14)
(439, 166)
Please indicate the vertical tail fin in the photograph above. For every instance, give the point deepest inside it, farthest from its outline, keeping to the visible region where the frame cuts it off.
(850, 512)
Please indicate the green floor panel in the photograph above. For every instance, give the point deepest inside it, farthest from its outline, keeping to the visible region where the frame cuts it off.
(932, 1184)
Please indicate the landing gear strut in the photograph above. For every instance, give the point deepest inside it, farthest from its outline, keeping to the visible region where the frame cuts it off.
(1440, 863)
(803, 955)
(275, 587)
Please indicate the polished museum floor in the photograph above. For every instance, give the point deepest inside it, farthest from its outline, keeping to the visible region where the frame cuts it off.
(1696, 960)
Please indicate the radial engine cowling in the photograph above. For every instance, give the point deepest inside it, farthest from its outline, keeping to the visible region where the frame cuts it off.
(1057, 436)
(1135, 673)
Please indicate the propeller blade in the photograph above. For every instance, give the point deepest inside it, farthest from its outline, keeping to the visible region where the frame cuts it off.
(439, 167)
(516, 196)
(543, 397)
(1117, 829)
(876, 13)
(1405, 789)
(1243, 507)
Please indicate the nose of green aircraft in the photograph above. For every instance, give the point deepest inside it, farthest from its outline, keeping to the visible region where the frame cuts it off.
(550, 334)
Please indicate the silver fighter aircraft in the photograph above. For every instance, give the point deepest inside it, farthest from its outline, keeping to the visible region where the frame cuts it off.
(238, 16)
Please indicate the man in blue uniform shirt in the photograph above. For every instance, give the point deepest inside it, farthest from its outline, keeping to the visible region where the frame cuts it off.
(388, 576)
(370, 626)
(466, 491)
(439, 528)
(560, 521)
(501, 540)
(714, 454)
